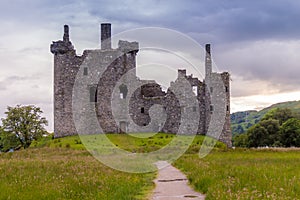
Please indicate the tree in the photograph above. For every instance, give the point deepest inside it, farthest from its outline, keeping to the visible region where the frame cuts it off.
(241, 140)
(273, 128)
(290, 133)
(8, 141)
(257, 136)
(281, 114)
(23, 123)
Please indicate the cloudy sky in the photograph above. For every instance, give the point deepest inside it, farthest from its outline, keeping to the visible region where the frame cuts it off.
(257, 41)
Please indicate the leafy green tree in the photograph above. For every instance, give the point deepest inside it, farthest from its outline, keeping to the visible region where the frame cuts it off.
(280, 114)
(290, 133)
(257, 136)
(273, 132)
(8, 141)
(241, 140)
(24, 123)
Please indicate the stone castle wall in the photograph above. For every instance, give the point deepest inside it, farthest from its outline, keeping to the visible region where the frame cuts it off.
(119, 108)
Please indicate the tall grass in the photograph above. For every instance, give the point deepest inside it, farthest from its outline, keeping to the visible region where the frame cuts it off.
(244, 174)
(61, 173)
(61, 169)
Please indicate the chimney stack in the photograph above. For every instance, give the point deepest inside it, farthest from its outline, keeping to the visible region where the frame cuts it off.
(208, 62)
(66, 33)
(105, 36)
(181, 73)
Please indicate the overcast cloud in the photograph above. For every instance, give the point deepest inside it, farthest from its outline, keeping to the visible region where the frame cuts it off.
(257, 41)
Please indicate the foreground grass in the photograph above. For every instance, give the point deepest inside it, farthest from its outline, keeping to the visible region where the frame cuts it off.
(61, 173)
(62, 169)
(244, 174)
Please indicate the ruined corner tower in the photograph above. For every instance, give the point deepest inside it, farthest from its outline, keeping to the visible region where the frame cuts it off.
(217, 100)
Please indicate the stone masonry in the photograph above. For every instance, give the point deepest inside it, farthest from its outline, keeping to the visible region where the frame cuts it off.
(134, 106)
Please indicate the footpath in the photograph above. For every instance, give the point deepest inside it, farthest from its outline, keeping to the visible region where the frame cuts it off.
(172, 184)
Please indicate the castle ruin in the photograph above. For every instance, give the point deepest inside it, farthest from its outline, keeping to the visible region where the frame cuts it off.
(136, 108)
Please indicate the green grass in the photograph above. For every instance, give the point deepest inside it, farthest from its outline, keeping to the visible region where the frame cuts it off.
(62, 169)
(244, 174)
(143, 142)
(61, 173)
(110, 148)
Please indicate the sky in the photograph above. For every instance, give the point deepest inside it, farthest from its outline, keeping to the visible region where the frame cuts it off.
(257, 41)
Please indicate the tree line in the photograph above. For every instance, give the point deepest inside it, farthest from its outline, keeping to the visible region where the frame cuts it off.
(280, 127)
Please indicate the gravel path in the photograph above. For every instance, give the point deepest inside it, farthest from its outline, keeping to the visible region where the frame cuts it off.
(172, 184)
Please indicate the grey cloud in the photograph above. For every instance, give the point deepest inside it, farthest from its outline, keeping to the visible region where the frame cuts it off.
(31, 50)
(226, 20)
(235, 20)
(8, 82)
(275, 62)
(2, 86)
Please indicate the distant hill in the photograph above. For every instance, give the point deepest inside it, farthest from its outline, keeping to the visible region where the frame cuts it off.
(241, 121)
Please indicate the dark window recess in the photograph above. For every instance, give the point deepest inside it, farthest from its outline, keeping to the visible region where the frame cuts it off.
(227, 108)
(93, 94)
(226, 89)
(123, 91)
(142, 110)
(211, 108)
(145, 124)
(85, 71)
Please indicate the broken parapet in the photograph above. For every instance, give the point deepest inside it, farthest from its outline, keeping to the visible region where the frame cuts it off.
(64, 46)
(127, 47)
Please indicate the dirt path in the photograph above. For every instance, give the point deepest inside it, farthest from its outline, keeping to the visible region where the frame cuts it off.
(172, 184)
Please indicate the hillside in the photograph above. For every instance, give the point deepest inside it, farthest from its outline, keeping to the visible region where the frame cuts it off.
(241, 121)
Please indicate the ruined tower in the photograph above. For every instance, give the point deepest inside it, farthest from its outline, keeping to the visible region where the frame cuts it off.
(217, 85)
(114, 64)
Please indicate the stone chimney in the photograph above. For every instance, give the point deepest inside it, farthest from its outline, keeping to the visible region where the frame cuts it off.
(66, 37)
(181, 73)
(208, 62)
(105, 36)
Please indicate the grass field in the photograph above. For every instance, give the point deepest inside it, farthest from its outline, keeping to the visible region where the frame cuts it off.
(100, 146)
(139, 144)
(63, 169)
(61, 173)
(245, 174)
